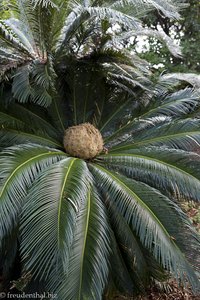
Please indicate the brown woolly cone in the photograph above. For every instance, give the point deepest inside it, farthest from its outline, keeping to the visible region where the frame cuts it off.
(83, 141)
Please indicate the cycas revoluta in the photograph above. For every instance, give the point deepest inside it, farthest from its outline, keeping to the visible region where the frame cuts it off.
(83, 226)
(43, 39)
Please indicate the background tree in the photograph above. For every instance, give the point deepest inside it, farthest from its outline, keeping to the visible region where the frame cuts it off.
(186, 33)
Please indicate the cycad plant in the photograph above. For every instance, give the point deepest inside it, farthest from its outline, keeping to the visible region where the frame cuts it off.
(44, 40)
(94, 162)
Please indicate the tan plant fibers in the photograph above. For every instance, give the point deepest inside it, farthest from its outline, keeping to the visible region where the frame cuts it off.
(83, 141)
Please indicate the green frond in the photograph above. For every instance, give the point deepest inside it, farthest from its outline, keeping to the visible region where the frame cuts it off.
(131, 252)
(32, 83)
(177, 104)
(17, 27)
(59, 113)
(123, 75)
(177, 223)
(22, 125)
(136, 263)
(59, 192)
(77, 17)
(35, 76)
(8, 120)
(136, 8)
(7, 54)
(58, 18)
(112, 116)
(28, 119)
(81, 14)
(160, 110)
(183, 134)
(20, 166)
(168, 8)
(173, 172)
(91, 85)
(120, 281)
(30, 26)
(8, 35)
(10, 137)
(60, 215)
(114, 15)
(29, 17)
(89, 261)
(86, 92)
(191, 78)
(130, 200)
(41, 76)
(21, 86)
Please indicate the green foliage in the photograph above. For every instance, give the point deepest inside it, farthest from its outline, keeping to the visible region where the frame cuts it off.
(74, 222)
(185, 31)
(44, 38)
(123, 204)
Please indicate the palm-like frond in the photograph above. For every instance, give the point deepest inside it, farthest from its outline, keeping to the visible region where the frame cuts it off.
(153, 235)
(17, 177)
(191, 78)
(76, 233)
(68, 199)
(161, 112)
(14, 38)
(92, 262)
(183, 134)
(170, 173)
(24, 91)
(23, 124)
(166, 7)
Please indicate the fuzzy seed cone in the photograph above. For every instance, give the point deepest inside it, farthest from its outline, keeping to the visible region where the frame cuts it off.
(83, 141)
